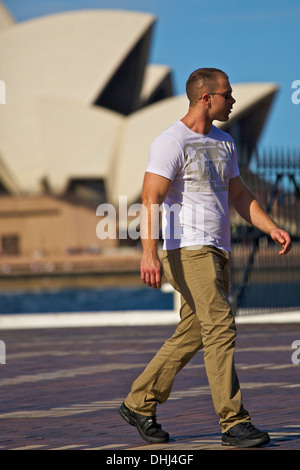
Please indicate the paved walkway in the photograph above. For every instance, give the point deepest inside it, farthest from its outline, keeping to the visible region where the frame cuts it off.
(61, 388)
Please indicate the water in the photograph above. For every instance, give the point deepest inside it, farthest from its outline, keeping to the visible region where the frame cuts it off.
(256, 296)
(85, 300)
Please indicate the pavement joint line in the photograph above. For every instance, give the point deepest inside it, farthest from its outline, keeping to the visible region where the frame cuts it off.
(69, 447)
(265, 348)
(62, 411)
(30, 447)
(66, 373)
(107, 447)
(87, 352)
(90, 370)
(76, 409)
(291, 386)
(292, 426)
(206, 441)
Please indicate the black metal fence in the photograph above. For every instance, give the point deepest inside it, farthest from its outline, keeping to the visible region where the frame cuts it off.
(263, 281)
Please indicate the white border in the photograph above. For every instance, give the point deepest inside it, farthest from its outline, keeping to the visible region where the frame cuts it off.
(123, 318)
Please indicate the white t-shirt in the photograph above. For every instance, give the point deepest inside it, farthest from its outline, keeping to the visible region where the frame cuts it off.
(196, 210)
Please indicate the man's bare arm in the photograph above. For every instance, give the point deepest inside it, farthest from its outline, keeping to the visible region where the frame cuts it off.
(155, 190)
(249, 208)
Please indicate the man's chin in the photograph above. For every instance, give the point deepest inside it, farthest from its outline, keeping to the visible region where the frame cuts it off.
(223, 119)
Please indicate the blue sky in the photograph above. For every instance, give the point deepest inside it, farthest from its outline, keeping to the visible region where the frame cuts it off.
(256, 41)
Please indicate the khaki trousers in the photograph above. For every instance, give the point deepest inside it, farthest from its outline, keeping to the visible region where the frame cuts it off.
(201, 275)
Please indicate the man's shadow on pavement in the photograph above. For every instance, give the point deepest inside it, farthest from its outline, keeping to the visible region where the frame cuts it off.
(284, 434)
(278, 437)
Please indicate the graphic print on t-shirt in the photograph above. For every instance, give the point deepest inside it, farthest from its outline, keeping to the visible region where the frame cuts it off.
(207, 166)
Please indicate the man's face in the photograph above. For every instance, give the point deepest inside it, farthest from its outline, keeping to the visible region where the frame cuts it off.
(222, 101)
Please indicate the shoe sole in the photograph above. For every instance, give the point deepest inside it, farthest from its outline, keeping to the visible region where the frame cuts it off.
(246, 443)
(132, 421)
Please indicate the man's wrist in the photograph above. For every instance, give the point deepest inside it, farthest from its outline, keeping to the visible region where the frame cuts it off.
(273, 229)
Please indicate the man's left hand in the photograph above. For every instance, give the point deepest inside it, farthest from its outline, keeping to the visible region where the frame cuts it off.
(283, 239)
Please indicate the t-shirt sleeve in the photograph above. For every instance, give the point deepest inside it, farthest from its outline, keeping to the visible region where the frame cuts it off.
(165, 157)
(234, 167)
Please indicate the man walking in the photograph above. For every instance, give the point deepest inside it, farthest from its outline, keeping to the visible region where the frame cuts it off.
(193, 168)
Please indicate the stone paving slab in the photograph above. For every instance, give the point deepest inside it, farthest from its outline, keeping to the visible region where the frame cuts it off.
(60, 389)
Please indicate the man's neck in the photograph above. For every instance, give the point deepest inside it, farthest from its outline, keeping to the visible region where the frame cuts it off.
(198, 124)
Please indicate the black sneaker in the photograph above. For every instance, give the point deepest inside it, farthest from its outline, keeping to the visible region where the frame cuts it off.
(147, 426)
(245, 435)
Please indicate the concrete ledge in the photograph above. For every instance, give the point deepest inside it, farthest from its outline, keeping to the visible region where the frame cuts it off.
(123, 318)
(280, 317)
(88, 319)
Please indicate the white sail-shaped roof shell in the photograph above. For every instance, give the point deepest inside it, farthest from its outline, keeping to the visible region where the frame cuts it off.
(79, 102)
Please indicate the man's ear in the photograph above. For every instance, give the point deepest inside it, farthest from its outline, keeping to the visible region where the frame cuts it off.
(206, 98)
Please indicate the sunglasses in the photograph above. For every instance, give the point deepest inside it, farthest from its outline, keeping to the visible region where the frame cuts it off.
(228, 95)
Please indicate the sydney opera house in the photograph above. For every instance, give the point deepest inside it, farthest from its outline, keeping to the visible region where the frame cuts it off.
(82, 108)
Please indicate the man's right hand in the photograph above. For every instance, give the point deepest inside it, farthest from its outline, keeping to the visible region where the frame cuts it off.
(151, 270)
